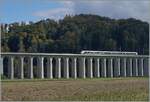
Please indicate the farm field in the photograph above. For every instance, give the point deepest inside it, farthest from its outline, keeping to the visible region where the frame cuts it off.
(107, 89)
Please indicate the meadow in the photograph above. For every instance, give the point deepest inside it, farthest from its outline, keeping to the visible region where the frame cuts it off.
(100, 89)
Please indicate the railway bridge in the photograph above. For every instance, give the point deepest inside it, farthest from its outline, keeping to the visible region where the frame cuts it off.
(84, 65)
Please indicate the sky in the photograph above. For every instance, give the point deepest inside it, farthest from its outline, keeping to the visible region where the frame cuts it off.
(35, 10)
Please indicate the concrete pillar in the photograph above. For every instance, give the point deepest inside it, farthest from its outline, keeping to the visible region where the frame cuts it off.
(82, 68)
(117, 67)
(66, 67)
(135, 67)
(11, 68)
(49, 68)
(90, 68)
(110, 67)
(140, 68)
(123, 68)
(130, 67)
(146, 67)
(74, 68)
(41, 67)
(103, 67)
(21, 68)
(58, 68)
(30, 70)
(1, 66)
(97, 71)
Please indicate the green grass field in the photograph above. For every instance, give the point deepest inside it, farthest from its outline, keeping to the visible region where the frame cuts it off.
(101, 89)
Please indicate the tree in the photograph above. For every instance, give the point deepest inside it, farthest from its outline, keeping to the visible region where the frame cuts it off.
(78, 32)
(111, 45)
(27, 41)
(13, 43)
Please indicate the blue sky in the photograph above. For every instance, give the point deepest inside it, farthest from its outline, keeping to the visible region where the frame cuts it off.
(23, 10)
(34, 10)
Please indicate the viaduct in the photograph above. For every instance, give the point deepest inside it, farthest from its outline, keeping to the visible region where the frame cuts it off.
(84, 65)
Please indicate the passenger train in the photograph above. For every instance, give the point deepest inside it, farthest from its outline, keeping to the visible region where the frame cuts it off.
(108, 52)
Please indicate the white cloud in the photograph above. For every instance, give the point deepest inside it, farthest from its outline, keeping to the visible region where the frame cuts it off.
(69, 4)
(110, 8)
(115, 9)
(57, 13)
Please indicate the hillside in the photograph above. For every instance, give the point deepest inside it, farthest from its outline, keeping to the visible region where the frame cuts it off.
(75, 33)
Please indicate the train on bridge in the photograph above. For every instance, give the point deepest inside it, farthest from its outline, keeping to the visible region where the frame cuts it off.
(108, 52)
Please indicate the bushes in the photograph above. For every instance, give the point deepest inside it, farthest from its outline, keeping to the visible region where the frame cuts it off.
(3, 76)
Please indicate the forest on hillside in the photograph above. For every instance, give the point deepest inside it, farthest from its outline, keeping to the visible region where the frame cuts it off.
(76, 33)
